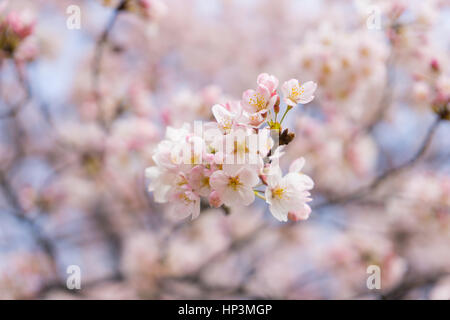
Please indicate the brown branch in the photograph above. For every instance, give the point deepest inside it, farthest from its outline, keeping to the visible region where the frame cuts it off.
(410, 283)
(386, 99)
(388, 173)
(84, 285)
(42, 240)
(17, 107)
(112, 236)
(99, 50)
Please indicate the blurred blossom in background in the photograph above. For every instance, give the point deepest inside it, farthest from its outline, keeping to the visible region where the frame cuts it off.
(82, 111)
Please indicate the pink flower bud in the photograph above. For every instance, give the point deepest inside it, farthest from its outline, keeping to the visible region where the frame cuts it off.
(276, 107)
(214, 199)
(22, 25)
(263, 179)
(435, 65)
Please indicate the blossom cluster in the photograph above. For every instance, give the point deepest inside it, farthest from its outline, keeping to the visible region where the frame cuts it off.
(73, 150)
(432, 88)
(350, 71)
(15, 27)
(23, 274)
(235, 157)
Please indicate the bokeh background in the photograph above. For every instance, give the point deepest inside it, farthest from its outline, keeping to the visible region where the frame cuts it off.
(82, 110)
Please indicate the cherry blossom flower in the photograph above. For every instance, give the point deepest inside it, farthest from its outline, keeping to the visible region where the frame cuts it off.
(215, 200)
(199, 180)
(254, 119)
(184, 203)
(289, 195)
(294, 93)
(259, 100)
(234, 184)
(227, 116)
(268, 81)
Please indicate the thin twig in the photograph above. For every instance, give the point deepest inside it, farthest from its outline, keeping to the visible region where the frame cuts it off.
(412, 282)
(17, 107)
(42, 240)
(100, 45)
(386, 99)
(388, 173)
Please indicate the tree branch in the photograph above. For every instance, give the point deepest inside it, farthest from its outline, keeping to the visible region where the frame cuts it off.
(100, 45)
(388, 173)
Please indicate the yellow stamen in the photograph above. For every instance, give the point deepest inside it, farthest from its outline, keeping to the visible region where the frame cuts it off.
(205, 182)
(258, 101)
(234, 182)
(296, 92)
(278, 193)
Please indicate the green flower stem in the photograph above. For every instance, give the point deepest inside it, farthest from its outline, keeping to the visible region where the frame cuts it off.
(285, 113)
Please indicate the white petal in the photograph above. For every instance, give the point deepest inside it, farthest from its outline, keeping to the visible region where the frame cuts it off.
(307, 181)
(152, 172)
(221, 114)
(230, 197)
(308, 92)
(306, 99)
(278, 211)
(299, 182)
(301, 214)
(297, 165)
(293, 180)
(247, 195)
(160, 194)
(219, 181)
(274, 177)
(309, 87)
(179, 211)
(231, 169)
(248, 177)
(196, 209)
(268, 195)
